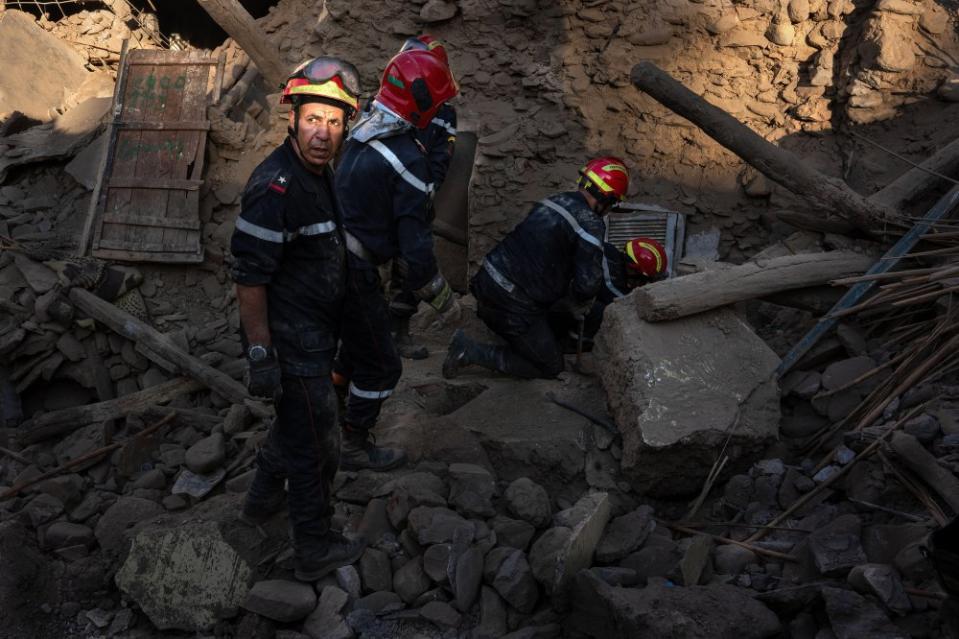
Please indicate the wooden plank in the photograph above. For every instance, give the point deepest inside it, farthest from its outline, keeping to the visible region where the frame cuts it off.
(106, 159)
(153, 220)
(143, 125)
(125, 255)
(147, 182)
(239, 24)
(156, 57)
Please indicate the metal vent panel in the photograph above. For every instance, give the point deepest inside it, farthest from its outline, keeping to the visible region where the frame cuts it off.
(629, 220)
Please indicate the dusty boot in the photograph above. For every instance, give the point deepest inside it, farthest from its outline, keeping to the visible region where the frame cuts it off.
(404, 341)
(316, 557)
(457, 354)
(257, 511)
(359, 451)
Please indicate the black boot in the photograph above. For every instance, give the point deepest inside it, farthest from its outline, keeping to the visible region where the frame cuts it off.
(259, 506)
(404, 341)
(458, 354)
(359, 451)
(315, 557)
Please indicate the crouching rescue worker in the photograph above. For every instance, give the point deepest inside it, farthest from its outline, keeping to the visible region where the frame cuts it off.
(438, 140)
(552, 260)
(640, 261)
(290, 273)
(384, 188)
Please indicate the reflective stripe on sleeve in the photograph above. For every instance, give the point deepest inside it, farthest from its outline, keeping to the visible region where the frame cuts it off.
(609, 280)
(279, 237)
(444, 124)
(566, 215)
(400, 168)
(365, 394)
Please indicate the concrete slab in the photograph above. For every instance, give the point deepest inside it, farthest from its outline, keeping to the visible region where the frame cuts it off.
(678, 389)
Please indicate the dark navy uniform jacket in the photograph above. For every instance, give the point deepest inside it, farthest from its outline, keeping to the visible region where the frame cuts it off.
(556, 251)
(614, 275)
(384, 189)
(287, 238)
(438, 139)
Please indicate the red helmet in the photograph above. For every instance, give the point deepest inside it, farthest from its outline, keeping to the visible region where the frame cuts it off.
(606, 179)
(426, 42)
(415, 85)
(326, 78)
(646, 257)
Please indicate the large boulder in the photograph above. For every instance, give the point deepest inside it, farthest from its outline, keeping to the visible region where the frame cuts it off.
(190, 571)
(678, 389)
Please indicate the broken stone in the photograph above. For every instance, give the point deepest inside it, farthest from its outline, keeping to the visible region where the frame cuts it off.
(600, 610)
(125, 513)
(695, 562)
(732, 560)
(326, 621)
(493, 620)
(529, 501)
(409, 492)
(436, 562)
(435, 525)
(625, 535)
(61, 534)
(836, 546)
(471, 490)
(376, 571)
(39, 277)
(409, 582)
(659, 558)
(160, 574)
(882, 581)
(349, 580)
(379, 602)
(842, 373)
(852, 616)
(442, 614)
(281, 600)
(510, 575)
(467, 578)
(514, 533)
(437, 11)
(675, 398)
(206, 455)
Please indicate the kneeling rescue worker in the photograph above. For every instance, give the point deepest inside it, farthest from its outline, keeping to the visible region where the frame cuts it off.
(290, 273)
(640, 261)
(552, 260)
(384, 188)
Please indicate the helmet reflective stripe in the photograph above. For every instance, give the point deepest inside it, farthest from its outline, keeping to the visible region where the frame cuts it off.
(600, 182)
(432, 45)
(652, 249)
(326, 90)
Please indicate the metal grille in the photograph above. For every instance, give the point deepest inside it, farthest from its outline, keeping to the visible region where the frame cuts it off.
(627, 221)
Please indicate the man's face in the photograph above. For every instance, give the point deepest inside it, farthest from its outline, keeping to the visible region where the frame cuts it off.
(320, 133)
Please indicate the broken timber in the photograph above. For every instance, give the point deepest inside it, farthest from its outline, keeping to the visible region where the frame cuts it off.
(139, 332)
(777, 164)
(235, 20)
(678, 297)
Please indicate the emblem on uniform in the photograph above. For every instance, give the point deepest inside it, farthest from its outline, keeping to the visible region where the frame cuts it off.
(279, 185)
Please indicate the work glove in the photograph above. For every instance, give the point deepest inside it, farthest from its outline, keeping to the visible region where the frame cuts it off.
(264, 378)
(578, 310)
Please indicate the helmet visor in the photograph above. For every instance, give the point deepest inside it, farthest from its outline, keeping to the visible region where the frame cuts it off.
(325, 68)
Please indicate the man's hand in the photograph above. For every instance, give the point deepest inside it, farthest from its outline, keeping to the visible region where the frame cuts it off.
(579, 310)
(264, 377)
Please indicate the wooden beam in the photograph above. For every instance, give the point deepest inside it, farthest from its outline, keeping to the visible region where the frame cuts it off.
(139, 332)
(240, 26)
(777, 164)
(913, 183)
(690, 294)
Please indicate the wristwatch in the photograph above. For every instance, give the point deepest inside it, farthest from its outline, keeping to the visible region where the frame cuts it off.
(257, 353)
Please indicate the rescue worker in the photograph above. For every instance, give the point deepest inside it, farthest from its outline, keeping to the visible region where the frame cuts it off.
(552, 260)
(290, 273)
(384, 188)
(641, 260)
(439, 140)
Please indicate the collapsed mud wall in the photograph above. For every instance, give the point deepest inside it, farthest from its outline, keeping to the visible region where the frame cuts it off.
(544, 85)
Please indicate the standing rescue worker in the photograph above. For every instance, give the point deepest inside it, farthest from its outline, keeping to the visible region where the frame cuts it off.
(438, 139)
(384, 188)
(290, 273)
(641, 260)
(552, 260)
